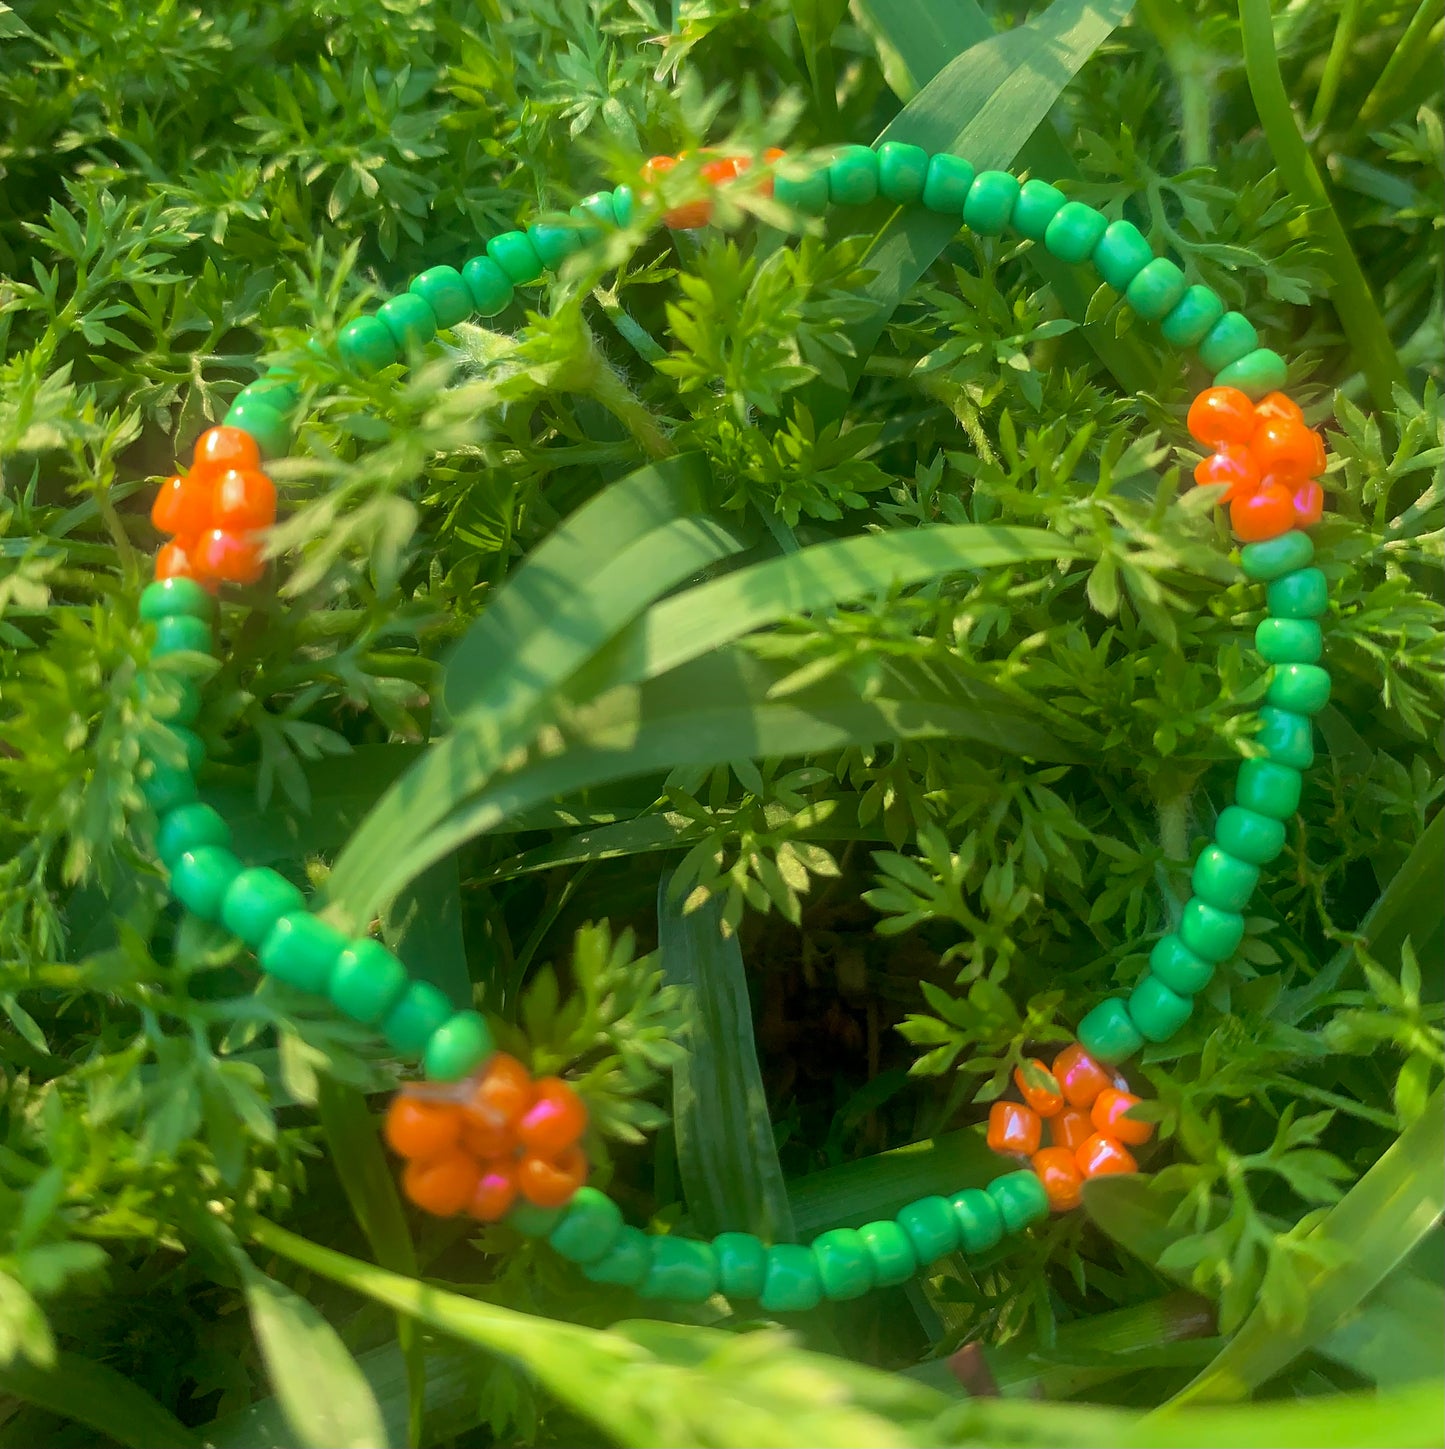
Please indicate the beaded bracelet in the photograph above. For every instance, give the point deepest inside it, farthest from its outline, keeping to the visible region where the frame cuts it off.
(479, 1135)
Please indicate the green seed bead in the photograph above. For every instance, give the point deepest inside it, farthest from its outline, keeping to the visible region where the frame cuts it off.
(980, 1223)
(514, 253)
(1289, 641)
(807, 195)
(902, 171)
(990, 202)
(1037, 205)
(173, 598)
(1268, 788)
(1193, 315)
(1303, 594)
(945, 189)
(1288, 738)
(532, 1221)
(191, 745)
(624, 203)
(792, 1283)
(409, 1025)
(554, 242)
(1156, 290)
(181, 633)
(625, 1263)
(1231, 338)
(367, 982)
(270, 429)
(176, 701)
(1249, 835)
(894, 1260)
(590, 1228)
(188, 827)
(1075, 232)
(1209, 932)
(844, 1266)
(167, 787)
(488, 285)
(931, 1226)
(301, 950)
(201, 877)
(599, 206)
(1273, 558)
(366, 345)
(273, 393)
(1157, 1011)
(457, 1048)
(1021, 1199)
(1304, 688)
(742, 1264)
(410, 321)
(853, 176)
(444, 291)
(1223, 880)
(1108, 1032)
(255, 901)
(1256, 374)
(1121, 254)
(1173, 963)
(682, 1270)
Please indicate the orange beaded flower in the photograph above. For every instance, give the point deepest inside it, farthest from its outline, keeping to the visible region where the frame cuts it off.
(716, 172)
(494, 1138)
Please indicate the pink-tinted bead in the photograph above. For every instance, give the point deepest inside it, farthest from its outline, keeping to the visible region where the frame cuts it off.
(554, 1121)
(1309, 504)
(1109, 1116)
(1080, 1076)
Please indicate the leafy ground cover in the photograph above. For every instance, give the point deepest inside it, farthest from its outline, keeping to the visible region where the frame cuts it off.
(746, 743)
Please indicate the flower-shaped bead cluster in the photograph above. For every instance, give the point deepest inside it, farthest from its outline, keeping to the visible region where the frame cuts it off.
(717, 172)
(1266, 457)
(215, 512)
(1086, 1110)
(497, 1137)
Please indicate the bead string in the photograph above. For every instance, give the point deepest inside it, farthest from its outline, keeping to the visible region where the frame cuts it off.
(480, 1136)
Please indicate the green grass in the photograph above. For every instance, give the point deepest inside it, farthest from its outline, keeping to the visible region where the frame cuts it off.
(830, 610)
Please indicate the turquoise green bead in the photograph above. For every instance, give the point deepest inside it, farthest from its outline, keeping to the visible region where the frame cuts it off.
(554, 242)
(625, 1264)
(600, 206)
(1209, 932)
(742, 1264)
(1108, 1032)
(188, 827)
(457, 1047)
(201, 877)
(807, 195)
(853, 176)
(1256, 374)
(1121, 254)
(1074, 232)
(945, 189)
(1231, 338)
(444, 291)
(366, 345)
(273, 392)
(1173, 963)
(792, 1283)
(990, 202)
(902, 171)
(1288, 738)
(192, 747)
(931, 1226)
(980, 1223)
(489, 286)
(1289, 641)
(1223, 880)
(168, 786)
(1304, 688)
(409, 1025)
(171, 598)
(1036, 206)
(270, 429)
(1021, 1199)
(408, 318)
(894, 1260)
(681, 1269)
(1157, 1011)
(514, 253)
(1271, 789)
(590, 1228)
(844, 1266)
(181, 633)
(1273, 558)
(367, 981)
(301, 950)
(1249, 835)
(255, 901)
(1192, 317)
(624, 203)
(532, 1221)
(176, 701)
(1303, 594)
(1157, 288)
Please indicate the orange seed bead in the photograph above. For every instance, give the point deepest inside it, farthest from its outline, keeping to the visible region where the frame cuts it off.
(234, 558)
(502, 1093)
(1233, 465)
(416, 1128)
(1079, 1075)
(1221, 415)
(1108, 1117)
(554, 1121)
(182, 505)
(495, 1192)
(1071, 1128)
(1278, 406)
(1014, 1128)
(1044, 1097)
(442, 1185)
(220, 448)
(1309, 504)
(1061, 1177)
(174, 561)
(1265, 513)
(550, 1181)
(1286, 449)
(1102, 1156)
(244, 499)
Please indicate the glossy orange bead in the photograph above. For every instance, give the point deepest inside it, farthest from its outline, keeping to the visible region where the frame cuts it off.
(1286, 449)
(1102, 1156)
(495, 1192)
(182, 505)
(551, 1181)
(1071, 1128)
(1108, 1117)
(771, 156)
(1080, 1076)
(502, 1093)
(724, 169)
(1265, 513)
(1221, 415)
(417, 1128)
(174, 561)
(488, 1139)
(1014, 1128)
(442, 1185)
(1309, 504)
(218, 449)
(1232, 465)
(1278, 406)
(243, 500)
(233, 558)
(1045, 1099)
(1059, 1172)
(554, 1121)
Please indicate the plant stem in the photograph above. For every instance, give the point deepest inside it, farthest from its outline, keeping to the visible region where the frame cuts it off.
(1416, 47)
(1334, 71)
(1191, 65)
